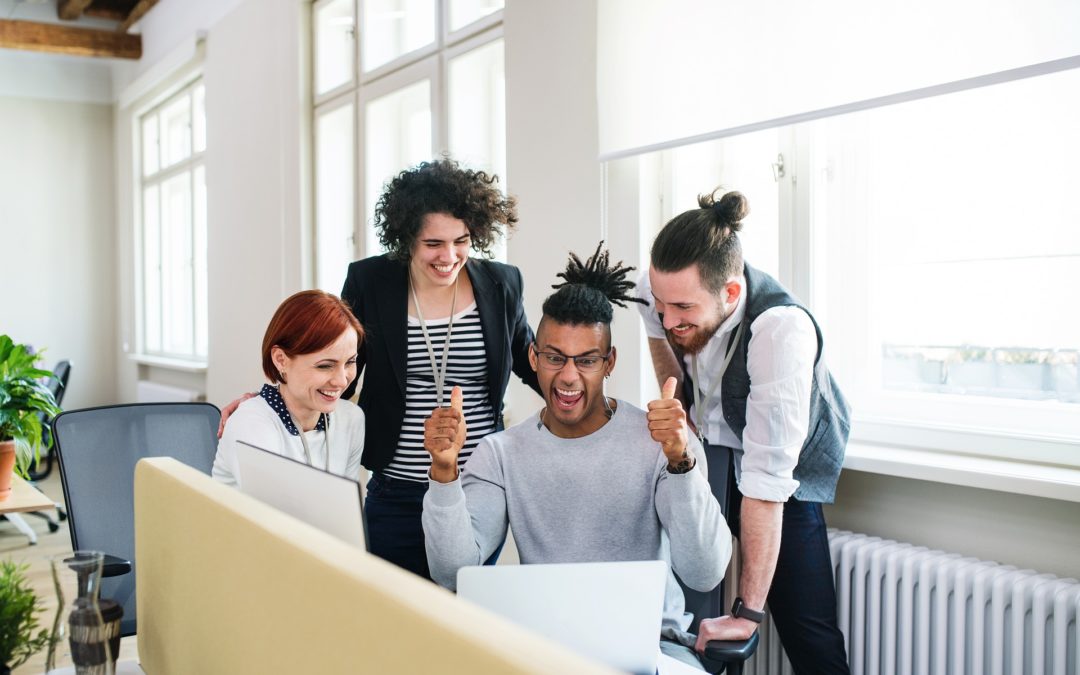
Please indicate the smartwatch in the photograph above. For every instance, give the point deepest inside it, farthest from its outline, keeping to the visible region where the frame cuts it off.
(740, 610)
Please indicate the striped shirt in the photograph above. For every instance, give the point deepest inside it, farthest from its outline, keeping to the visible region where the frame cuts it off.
(466, 368)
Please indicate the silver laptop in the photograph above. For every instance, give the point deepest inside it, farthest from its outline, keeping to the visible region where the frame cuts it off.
(610, 612)
(325, 500)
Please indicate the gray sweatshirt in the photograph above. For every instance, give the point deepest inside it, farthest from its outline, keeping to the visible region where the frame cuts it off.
(605, 497)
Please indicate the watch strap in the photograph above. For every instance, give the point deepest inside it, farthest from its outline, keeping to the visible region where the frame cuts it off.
(740, 610)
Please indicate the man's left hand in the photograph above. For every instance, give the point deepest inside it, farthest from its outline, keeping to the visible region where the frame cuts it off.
(667, 424)
(723, 628)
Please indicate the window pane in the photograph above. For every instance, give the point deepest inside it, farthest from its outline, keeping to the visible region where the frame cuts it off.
(176, 131)
(199, 117)
(150, 144)
(397, 136)
(958, 213)
(464, 12)
(176, 267)
(151, 237)
(743, 163)
(392, 28)
(334, 57)
(202, 339)
(477, 113)
(334, 200)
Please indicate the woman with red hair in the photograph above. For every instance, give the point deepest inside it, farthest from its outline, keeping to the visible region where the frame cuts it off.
(309, 354)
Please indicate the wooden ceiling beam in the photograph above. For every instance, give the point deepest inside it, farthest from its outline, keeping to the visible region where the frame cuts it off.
(69, 10)
(137, 13)
(57, 39)
(111, 13)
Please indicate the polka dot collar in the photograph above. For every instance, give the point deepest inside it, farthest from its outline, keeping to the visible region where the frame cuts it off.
(277, 404)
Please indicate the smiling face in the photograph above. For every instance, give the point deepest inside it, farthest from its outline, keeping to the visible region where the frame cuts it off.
(575, 400)
(691, 312)
(440, 251)
(315, 381)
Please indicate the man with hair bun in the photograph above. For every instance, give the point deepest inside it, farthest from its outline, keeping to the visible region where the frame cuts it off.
(750, 358)
(582, 468)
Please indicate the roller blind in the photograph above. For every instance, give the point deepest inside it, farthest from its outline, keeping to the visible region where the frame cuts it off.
(676, 71)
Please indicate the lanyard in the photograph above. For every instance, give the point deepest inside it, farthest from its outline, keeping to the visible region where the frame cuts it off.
(440, 373)
(701, 404)
(307, 449)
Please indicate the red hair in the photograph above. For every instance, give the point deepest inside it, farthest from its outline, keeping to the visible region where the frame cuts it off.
(306, 322)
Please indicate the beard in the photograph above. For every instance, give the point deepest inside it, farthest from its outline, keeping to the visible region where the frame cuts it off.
(696, 340)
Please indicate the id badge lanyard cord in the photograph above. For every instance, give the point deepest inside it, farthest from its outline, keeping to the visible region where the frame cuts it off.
(307, 448)
(439, 372)
(701, 404)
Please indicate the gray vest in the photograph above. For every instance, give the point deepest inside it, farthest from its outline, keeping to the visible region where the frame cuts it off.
(822, 453)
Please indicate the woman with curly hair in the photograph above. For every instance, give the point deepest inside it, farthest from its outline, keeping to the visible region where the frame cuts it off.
(432, 329)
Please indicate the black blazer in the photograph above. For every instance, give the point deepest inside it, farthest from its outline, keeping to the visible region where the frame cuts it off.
(377, 289)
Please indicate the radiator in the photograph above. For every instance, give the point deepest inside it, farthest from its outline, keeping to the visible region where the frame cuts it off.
(153, 392)
(906, 609)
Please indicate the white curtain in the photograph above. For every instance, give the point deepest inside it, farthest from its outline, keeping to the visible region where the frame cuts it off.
(671, 71)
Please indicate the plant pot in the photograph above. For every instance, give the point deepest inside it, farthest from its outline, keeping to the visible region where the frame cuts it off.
(7, 468)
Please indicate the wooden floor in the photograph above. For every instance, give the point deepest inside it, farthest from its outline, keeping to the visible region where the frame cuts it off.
(15, 546)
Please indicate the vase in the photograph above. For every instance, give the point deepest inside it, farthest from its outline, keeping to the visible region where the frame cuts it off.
(7, 468)
(88, 626)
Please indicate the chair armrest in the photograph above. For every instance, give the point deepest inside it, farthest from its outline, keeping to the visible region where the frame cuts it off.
(729, 651)
(115, 567)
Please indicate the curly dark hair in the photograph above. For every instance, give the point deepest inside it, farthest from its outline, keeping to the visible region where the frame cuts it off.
(589, 290)
(442, 186)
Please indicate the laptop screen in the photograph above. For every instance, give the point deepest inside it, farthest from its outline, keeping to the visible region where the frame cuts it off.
(608, 611)
(327, 501)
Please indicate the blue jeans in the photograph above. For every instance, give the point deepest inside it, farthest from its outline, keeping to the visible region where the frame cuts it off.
(802, 598)
(395, 532)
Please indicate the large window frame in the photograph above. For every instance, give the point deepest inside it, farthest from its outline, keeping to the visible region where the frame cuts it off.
(151, 304)
(971, 432)
(430, 63)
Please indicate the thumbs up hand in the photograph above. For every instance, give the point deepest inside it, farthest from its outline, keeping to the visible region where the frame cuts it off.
(444, 436)
(667, 424)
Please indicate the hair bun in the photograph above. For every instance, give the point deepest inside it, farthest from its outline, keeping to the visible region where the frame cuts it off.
(731, 209)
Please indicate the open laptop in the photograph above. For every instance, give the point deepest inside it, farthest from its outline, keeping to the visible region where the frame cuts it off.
(610, 612)
(327, 501)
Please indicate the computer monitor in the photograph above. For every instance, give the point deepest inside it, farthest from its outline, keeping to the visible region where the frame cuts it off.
(332, 503)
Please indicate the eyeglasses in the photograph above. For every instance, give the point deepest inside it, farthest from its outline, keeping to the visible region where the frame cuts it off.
(590, 363)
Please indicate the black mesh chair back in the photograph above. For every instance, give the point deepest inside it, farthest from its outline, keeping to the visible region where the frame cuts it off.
(58, 383)
(97, 450)
(704, 605)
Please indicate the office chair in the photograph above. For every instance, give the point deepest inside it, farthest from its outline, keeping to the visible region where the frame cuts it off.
(58, 386)
(96, 450)
(720, 655)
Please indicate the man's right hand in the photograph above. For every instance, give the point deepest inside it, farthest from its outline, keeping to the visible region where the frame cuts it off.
(229, 410)
(444, 436)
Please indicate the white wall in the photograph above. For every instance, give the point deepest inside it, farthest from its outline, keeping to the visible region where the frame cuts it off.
(57, 236)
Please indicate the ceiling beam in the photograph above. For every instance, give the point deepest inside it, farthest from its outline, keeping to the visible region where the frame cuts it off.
(48, 37)
(137, 13)
(111, 13)
(69, 10)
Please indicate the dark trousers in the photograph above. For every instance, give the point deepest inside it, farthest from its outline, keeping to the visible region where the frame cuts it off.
(802, 599)
(395, 532)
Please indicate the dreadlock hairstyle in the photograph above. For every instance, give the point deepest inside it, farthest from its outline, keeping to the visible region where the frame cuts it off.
(589, 290)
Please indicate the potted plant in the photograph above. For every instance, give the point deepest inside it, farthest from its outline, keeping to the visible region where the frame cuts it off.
(23, 397)
(18, 618)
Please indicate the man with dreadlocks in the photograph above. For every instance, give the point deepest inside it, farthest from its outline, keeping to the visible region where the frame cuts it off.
(584, 467)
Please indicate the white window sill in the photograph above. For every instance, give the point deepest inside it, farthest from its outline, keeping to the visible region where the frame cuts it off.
(1002, 475)
(170, 363)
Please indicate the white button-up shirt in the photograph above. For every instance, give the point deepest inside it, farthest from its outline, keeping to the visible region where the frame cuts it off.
(780, 362)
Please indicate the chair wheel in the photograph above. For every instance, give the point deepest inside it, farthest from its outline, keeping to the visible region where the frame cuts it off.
(61, 514)
(53, 527)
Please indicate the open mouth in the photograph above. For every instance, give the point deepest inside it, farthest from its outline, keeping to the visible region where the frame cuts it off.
(328, 395)
(567, 398)
(682, 331)
(444, 270)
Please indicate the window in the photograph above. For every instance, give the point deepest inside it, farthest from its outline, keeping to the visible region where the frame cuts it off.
(172, 271)
(429, 80)
(938, 245)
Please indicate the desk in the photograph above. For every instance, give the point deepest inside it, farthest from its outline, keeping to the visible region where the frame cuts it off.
(25, 497)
